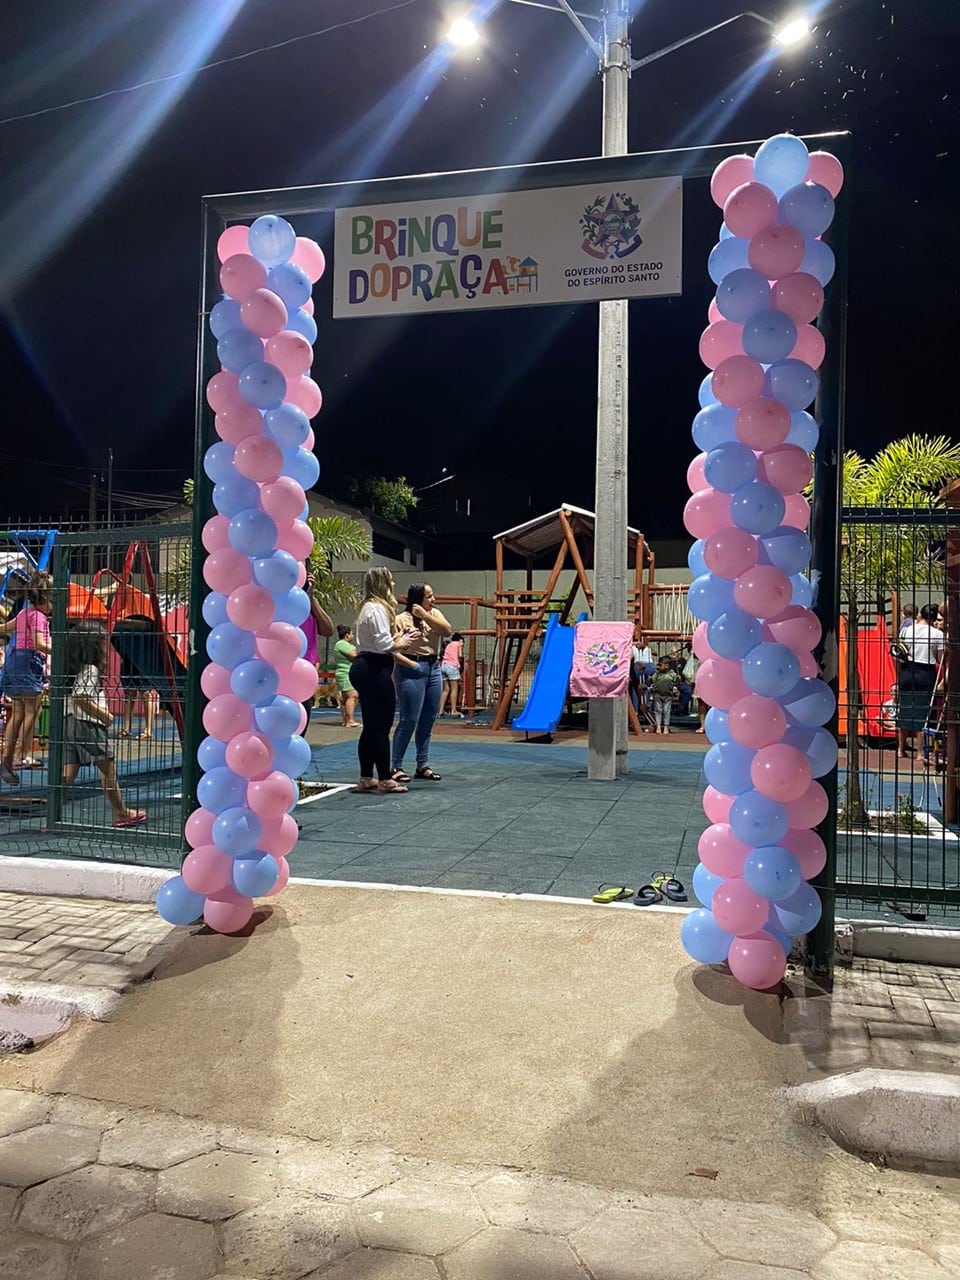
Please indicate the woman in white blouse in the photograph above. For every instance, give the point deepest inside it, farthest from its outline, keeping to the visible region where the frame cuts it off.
(924, 645)
(371, 674)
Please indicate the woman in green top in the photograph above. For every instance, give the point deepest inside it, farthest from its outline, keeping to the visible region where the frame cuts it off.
(345, 654)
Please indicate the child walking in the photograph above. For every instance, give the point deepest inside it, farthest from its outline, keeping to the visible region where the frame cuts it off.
(24, 672)
(664, 685)
(88, 717)
(450, 665)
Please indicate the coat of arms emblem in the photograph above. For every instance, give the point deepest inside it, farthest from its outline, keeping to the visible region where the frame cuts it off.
(611, 227)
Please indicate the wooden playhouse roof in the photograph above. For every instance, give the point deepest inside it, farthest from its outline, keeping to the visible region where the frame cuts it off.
(543, 533)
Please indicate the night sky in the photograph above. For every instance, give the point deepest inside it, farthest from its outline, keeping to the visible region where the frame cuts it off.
(100, 247)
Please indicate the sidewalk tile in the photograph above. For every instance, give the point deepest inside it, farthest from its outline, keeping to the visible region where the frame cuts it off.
(87, 1202)
(854, 1260)
(27, 1257)
(44, 1152)
(530, 1202)
(771, 1234)
(418, 1217)
(337, 1174)
(287, 1238)
(375, 1264)
(151, 1246)
(151, 1140)
(20, 1109)
(522, 1255)
(629, 1244)
(217, 1185)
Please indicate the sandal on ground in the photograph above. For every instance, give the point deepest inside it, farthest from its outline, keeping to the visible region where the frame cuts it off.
(366, 786)
(143, 737)
(391, 788)
(398, 775)
(426, 774)
(134, 819)
(124, 733)
(612, 893)
(9, 777)
(647, 895)
(670, 887)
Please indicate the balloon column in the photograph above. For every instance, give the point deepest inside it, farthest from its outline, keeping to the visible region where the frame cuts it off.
(257, 677)
(757, 631)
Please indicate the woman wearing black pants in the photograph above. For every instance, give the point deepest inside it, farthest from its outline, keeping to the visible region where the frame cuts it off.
(371, 674)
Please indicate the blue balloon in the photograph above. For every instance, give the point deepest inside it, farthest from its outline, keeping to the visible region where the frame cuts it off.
(305, 325)
(734, 633)
(729, 466)
(818, 745)
(276, 573)
(304, 512)
(289, 426)
(769, 335)
(808, 207)
(292, 756)
(705, 394)
(211, 754)
(772, 872)
(802, 593)
(301, 465)
(235, 493)
(253, 532)
(215, 609)
(726, 767)
(705, 884)
(771, 670)
(792, 382)
(224, 317)
(709, 595)
(787, 549)
(757, 507)
(726, 256)
(714, 426)
(221, 789)
(271, 240)
(218, 462)
(254, 877)
(291, 283)
(725, 232)
(238, 348)
(803, 431)
(779, 935)
(800, 912)
(810, 702)
(818, 261)
(255, 682)
(293, 607)
(703, 939)
(177, 904)
(715, 725)
(781, 162)
(279, 719)
(742, 293)
(228, 645)
(695, 561)
(757, 820)
(263, 385)
(237, 831)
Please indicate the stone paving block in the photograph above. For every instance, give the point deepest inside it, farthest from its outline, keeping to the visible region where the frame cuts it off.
(254, 1142)
(287, 1238)
(947, 1023)
(871, 993)
(631, 1244)
(217, 1185)
(869, 1012)
(899, 1031)
(340, 1175)
(20, 1109)
(43, 1152)
(27, 1257)
(952, 987)
(377, 1264)
(421, 1217)
(771, 1234)
(445, 1174)
(68, 1109)
(730, 1269)
(802, 1014)
(912, 1009)
(154, 1247)
(13, 946)
(904, 1225)
(854, 1260)
(536, 1203)
(155, 1141)
(521, 1255)
(8, 1202)
(86, 1202)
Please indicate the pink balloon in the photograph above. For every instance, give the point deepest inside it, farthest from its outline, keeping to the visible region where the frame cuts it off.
(305, 394)
(282, 879)
(272, 796)
(283, 499)
(299, 680)
(706, 512)
(241, 276)
(728, 175)
(737, 380)
(295, 536)
(713, 312)
(809, 347)
(827, 170)
(214, 536)
(800, 296)
(696, 480)
(258, 458)
(214, 680)
(232, 241)
(308, 307)
(226, 569)
(755, 721)
(249, 755)
(301, 574)
(796, 627)
(730, 552)
(776, 251)
(227, 916)
(250, 607)
(808, 849)
(780, 772)
(797, 513)
(303, 719)
(290, 352)
(237, 421)
(757, 961)
(763, 591)
(787, 467)
(720, 851)
(702, 647)
(716, 806)
(198, 829)
(223, 391)
(308, 256)
(809, 809)
(762, 423)
(207, 869)
(720, 683)
(309, 441)
(279, 836)
(750, 208)
(279, 644)
(227, 715)
(737, 908)
(719, 341)
(263, 313)
(808, 666)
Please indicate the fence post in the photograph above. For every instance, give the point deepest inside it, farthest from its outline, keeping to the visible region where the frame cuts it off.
(58, 666)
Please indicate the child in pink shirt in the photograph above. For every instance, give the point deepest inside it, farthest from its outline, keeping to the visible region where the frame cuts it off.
(24, 673)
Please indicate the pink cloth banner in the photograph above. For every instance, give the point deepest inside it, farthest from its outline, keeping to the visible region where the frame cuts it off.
(601, 660)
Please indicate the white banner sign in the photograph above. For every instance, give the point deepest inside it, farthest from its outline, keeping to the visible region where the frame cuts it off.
(520, 248)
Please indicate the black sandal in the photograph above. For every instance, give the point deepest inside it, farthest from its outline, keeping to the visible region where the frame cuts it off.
(427, 775)
(398, 775)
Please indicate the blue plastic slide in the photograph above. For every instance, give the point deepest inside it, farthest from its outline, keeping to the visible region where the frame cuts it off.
(548, 692)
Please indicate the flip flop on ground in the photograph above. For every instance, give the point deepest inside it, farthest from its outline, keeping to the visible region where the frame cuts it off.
(133, 819)
(647, 895)
(612, 893)
(670, 887)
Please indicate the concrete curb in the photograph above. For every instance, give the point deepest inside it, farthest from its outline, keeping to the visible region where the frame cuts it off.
(907, 1117)
(874, 940)
(78, 878)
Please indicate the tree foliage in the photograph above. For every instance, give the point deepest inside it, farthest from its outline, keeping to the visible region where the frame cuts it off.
(336, 538)
(391, 500)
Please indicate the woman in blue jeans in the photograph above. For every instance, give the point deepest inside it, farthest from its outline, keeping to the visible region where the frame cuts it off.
(418, 680)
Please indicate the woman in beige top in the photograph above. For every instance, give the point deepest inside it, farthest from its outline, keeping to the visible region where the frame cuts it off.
(418, 680)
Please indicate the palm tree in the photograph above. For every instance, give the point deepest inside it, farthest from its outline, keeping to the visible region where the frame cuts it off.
(905, 475)
(336, 538)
